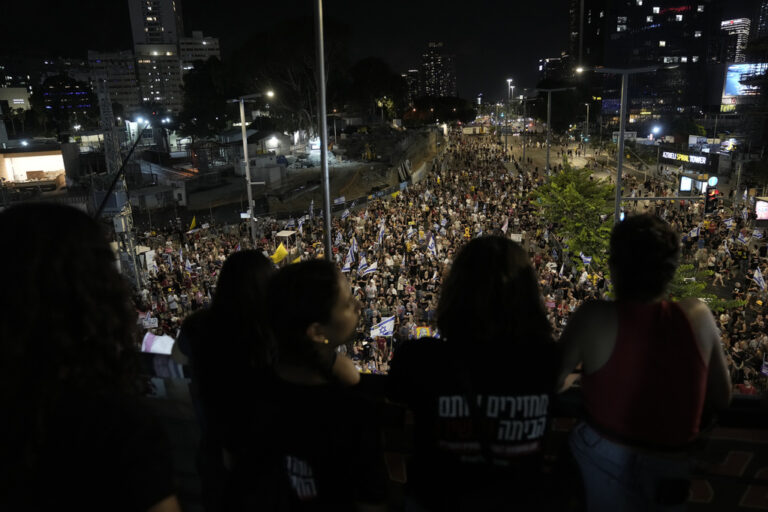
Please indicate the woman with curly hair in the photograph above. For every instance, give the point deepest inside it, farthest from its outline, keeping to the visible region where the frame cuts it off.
(72, 433)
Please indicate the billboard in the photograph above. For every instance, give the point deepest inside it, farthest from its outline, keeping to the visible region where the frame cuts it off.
(734, 90)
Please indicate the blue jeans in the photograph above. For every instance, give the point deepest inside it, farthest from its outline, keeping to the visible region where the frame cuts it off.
(618, 477)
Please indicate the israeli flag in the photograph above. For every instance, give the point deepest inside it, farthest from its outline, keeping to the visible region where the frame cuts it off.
(362, 265)
(345, 214)
(188, 266)
(350, 255)
(431, 247)
(353, 245)
(443, 222)
(301, 225)
(181, 255)
(742, 238)
(758, 278)
(290, 224)
(338, 239)
(384, 328)
(154, 267)
(562, 269)
(347, 264)
(744, 214)
(728, 222)
(694, 232)
(411, 232)
(381, 233)
(757, 233)
(373, 268)
(587, 260)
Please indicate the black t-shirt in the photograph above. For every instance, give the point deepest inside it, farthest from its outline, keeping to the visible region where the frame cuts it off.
(98, 453)
(318, 449)
(480, 416)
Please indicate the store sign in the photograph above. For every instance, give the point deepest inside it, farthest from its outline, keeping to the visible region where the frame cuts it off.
(680, 157)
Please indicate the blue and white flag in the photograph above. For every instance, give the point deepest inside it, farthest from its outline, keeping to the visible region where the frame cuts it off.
(350, 255)
(562, 269)
(353, 245)
(758, 278)
(345, 214)
(290, 224)
(384, 328)
(587, 260)
(339, 238)
(181, 255)
(728, 222)
(373, 268)
(188, 266)
(362, 265)
(742, 238)
(694, 232)
(347, 265)
(154, 267)
(381, 233)
(411, 232)
(431, 247)
(444, 221)
(745, 214)
(757, 233)
(301, 225)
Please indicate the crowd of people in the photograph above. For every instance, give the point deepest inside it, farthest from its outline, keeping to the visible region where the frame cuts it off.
(454, 289)
(396, 251)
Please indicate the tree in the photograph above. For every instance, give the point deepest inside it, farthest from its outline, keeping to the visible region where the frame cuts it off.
(579, 206)
(206, 92)
(691, 283)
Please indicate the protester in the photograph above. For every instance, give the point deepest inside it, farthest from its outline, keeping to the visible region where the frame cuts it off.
(649, 368)
(481, 394)
(74, 435)
(317, 426)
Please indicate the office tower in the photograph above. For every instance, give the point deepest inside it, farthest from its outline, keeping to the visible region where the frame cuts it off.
(736, 38)
(197, 48)
(438, 73)
(119, 71)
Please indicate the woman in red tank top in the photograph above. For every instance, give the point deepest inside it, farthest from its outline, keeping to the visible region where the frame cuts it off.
(646, 363)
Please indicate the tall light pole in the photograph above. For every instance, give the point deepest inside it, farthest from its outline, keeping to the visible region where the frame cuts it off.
(622, 114)
(549, 116)
(586, 126)
(510, 88)
(323, 122)
(248, 183)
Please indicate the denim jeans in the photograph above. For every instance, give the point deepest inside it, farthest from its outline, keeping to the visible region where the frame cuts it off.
(617, 477)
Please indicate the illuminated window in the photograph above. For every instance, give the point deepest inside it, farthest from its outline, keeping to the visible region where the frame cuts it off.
(662, 43)
(695, 58)
(683, 59)
(621, 28)
(639, 2)
(678, 17)
(656, 10)
(602, 14)
(621, 19)
(649, 19)
(697, 33)
(700, 8)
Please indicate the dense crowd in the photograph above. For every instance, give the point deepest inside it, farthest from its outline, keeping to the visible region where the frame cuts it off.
(396, 251)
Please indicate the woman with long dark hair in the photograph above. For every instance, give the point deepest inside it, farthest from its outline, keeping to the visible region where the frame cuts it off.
(323, 432)
(480, 395)
(72, 434)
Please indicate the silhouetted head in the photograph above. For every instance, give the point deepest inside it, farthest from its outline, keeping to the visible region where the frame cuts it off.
(644, 255)
(491, 295)
(67, 320)
(311, 302)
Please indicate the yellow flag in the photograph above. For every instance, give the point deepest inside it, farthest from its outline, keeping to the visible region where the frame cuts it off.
(194, 223)
(297, 260)
(280, 253)
(395, 194)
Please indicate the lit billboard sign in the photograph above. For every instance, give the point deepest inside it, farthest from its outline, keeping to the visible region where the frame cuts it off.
(680, 157)
(736, 73)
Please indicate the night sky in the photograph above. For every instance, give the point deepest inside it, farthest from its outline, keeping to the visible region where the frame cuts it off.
(492, 40)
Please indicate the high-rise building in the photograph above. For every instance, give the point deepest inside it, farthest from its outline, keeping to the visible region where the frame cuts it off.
(157, 29)
(156, 21)
(762, 20)
(638, 33)
(737, 36)
(438, 73)
(555, 68)
(411, 78)
(119, 71)
(196, 48)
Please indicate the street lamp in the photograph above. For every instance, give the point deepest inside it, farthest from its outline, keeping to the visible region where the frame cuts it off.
(586, 126)
(510, 88)
(549, 115)
(248, 182)
(622, 114)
